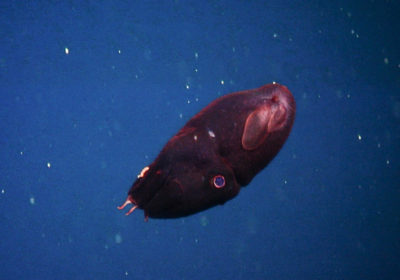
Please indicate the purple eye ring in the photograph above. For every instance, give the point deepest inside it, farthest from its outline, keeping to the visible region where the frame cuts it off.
(219, 181)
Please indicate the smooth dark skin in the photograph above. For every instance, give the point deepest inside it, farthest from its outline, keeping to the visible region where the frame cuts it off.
(216, 153)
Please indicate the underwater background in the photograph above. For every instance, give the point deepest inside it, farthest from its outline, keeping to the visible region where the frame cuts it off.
(90, 91)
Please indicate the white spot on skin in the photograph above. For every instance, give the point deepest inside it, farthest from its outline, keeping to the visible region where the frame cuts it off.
(211, 133)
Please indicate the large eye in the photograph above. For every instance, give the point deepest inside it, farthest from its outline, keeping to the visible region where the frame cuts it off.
(218, 181)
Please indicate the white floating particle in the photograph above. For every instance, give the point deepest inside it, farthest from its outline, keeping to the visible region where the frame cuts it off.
(48, 165)
(275, 35)
(32, 200)
(387, 162)
(386, 60)
(204, 221)
(359, 137)
(180, 115)
(222, 82)
(66, 50)
(187, 86)
(188, 101)
(3, 191)
(126, 273)
(196, 70)
(285, 182)
(195, 137)
(196, 55)
(21, 153)
(119, 51)
(379, 145)
(118, 238)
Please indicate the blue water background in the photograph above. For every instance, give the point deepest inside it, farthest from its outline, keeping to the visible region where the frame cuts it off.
(90, 91)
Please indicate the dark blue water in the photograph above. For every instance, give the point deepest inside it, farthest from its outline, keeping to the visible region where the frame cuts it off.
(92, 90)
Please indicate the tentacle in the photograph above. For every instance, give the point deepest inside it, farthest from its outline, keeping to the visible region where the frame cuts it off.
(131, 210)
(127, 201)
